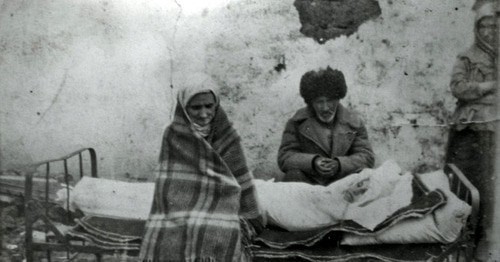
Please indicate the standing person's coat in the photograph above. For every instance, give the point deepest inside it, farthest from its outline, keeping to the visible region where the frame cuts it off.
(203, 188)
(476, 106)
(302, 142)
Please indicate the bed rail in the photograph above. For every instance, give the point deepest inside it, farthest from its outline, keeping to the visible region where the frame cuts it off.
(463, 189)
(36, 209)
(64, 159)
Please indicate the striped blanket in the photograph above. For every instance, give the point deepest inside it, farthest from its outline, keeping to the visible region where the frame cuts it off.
(203, 187)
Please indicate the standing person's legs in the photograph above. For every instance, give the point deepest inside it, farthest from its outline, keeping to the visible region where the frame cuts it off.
(473, 152)
(462, 151)
(485, 185)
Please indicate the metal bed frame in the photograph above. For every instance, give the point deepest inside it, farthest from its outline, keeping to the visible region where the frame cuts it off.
(35, 209)
(463, 189)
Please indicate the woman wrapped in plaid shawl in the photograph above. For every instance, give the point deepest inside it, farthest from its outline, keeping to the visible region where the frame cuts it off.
(203, 186)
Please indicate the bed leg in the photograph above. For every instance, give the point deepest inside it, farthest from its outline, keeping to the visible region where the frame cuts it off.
(456, 256)
(98, 257)
(29, 217)
(469, 254)
(49, 257)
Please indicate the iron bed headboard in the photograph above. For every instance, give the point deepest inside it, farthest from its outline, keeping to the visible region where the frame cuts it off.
(31, 206)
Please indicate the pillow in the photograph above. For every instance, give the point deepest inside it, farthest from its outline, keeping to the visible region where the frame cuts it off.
(442, 226)
(452, 217)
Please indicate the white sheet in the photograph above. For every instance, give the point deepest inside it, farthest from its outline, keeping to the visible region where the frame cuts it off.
(300, 206)
(112, 198)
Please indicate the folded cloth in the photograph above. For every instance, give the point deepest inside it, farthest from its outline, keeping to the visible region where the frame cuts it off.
(319, 252)
(110, 233)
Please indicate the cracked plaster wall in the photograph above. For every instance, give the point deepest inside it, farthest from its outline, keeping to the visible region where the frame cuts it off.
(98, 74)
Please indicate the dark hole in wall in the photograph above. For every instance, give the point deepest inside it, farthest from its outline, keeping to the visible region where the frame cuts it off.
(327, 19)
(281, 64)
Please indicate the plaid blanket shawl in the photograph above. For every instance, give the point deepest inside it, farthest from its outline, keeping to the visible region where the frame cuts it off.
(203, 187)
(109, 233)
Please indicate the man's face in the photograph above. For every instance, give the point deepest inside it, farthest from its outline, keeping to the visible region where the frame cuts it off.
(356, 191)
(201, 108)
(487, 30)
(325, 108)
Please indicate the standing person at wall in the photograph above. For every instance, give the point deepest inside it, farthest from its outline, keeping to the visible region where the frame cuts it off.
(203, 187)
(471, 143)
(324, 141)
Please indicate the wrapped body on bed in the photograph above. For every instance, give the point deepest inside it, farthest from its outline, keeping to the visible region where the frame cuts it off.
(381, 205)
(391, 208)
(367, 198)
(436, 213)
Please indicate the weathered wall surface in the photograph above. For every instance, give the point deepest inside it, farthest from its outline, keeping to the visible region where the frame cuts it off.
(98, 74)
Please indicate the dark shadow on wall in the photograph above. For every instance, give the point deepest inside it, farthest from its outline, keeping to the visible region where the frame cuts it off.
(327, 19)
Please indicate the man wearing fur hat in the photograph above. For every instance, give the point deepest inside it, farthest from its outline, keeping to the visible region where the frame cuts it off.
(324, 141)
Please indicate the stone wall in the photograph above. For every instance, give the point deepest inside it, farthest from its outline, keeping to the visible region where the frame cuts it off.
(104, 74)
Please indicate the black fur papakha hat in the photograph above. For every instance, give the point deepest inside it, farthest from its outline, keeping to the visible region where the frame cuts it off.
(325, 82)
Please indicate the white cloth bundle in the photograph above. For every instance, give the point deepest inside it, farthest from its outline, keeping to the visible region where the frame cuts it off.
(300, 206)
(112, 198)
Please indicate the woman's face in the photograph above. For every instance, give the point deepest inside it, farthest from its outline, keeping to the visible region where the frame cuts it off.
(325, 108)
(201, 108)
(487, 30)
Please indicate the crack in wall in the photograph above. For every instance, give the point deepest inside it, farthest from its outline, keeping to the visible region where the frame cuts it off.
(171, 54)
(56, 97)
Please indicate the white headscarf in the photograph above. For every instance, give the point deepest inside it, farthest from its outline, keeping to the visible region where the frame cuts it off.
(484, 9)
(193, 85)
